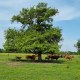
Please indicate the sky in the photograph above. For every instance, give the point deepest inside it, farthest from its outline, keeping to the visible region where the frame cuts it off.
(68, 18)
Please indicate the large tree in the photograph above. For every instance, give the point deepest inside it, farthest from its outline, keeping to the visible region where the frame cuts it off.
(38, 34)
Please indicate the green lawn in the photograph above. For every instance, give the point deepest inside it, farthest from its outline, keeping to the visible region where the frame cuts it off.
(23, 70)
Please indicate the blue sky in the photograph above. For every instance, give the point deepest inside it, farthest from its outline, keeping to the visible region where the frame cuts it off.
(68, 18)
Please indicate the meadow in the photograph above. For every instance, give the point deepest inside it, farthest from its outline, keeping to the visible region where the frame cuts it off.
(62, 69)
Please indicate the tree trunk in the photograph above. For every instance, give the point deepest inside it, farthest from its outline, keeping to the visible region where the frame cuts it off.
(39, 57)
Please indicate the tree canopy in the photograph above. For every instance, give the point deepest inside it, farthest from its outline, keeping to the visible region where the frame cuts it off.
(39, 17)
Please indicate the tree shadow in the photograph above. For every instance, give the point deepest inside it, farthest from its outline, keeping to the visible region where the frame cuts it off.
(36, 61)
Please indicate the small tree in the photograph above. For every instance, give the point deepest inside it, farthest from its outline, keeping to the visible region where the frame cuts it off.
(1, 50)
(9, 45)
(13, 41)
(77, 45)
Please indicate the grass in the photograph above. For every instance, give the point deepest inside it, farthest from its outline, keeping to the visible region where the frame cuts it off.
(23, 70)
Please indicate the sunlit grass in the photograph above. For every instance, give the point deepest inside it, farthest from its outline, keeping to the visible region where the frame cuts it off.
(19, 70)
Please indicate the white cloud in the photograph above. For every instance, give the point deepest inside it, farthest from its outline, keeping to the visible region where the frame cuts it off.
(68, 45)
(67, 13)
(9, 8)
(12, 3)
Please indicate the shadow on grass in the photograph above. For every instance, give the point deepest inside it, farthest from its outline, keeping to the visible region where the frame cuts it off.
(36, 61)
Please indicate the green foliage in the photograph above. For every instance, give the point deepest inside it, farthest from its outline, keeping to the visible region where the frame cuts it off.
(39, 16)
(1, 50)
(13, 40)
(77, 45)
(36, 42)
(9, 45)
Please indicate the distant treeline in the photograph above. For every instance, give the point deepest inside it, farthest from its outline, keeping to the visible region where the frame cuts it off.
(69, 52)
(61, 52)
(1, 50)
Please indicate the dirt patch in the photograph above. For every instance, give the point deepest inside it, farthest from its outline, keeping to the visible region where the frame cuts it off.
(14, 64)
